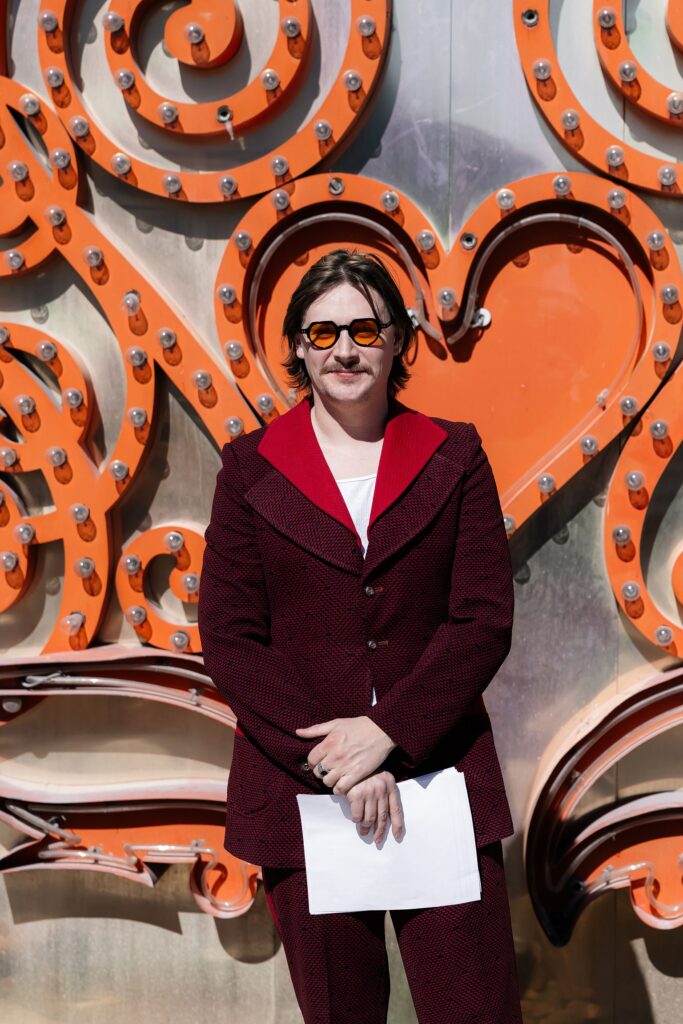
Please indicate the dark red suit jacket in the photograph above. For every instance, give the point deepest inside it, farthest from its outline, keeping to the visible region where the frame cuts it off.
(297, 627)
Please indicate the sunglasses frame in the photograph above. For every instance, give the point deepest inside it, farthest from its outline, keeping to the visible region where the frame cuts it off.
(340, 327)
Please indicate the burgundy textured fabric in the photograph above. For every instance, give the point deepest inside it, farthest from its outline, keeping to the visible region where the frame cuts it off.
(296, 627)
(459, 959)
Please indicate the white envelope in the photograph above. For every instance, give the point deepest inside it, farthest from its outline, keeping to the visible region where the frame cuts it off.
(433, 862)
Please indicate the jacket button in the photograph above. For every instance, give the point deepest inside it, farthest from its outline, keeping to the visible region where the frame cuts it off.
(372, 644)
(306, 766)
(369, 590)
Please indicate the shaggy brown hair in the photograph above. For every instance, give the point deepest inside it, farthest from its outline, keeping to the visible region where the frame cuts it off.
(364, 271)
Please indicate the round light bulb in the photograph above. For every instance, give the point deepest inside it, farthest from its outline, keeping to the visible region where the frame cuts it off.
(291, 27)
(120, 163)
(194, 33)
(125, 79)
(542, 69)
(366, 25)
(607, 17)
(614, 156)
(322, 130)
(270, 79)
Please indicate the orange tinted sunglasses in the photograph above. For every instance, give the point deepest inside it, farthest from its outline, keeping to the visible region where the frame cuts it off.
(363, 331)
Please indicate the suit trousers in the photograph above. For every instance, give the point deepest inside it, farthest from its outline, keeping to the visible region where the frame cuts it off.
(459, 959)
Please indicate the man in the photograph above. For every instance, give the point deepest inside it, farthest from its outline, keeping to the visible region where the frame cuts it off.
(356, 599)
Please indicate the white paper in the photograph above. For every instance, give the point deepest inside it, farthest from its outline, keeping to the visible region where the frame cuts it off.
(433, 862)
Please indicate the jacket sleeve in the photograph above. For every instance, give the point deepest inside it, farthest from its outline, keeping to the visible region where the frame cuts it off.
(465, 652)
(259, 682)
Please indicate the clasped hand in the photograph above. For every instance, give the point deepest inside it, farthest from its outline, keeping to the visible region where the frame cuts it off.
(351, 750)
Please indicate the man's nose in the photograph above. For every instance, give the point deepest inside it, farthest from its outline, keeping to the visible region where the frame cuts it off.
(345, 345)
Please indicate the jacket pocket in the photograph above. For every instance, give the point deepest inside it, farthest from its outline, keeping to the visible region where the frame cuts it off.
(254, 782)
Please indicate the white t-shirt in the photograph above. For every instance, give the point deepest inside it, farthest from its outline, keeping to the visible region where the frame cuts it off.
(357, 492)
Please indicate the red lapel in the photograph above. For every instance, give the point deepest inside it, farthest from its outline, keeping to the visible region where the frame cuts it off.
(290, 445)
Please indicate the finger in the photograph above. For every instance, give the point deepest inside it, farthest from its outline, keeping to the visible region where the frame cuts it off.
(320, 729)
(362, 827)
(357, 792)
(395, 811)
(357, 806)
(345, 782)
(331, 776)
(370, 815)
(382, 814)
(316, 756)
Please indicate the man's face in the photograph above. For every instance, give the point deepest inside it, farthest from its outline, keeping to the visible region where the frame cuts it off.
(348, 372)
